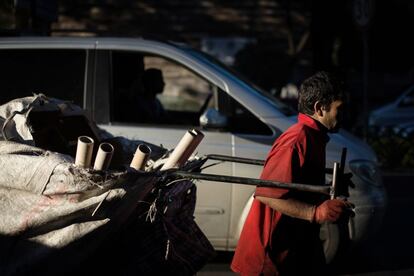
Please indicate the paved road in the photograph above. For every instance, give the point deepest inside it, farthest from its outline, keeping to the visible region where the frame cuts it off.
(393, 252)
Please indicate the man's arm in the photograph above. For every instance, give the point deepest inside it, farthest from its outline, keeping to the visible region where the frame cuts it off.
(329, 210)
(290, 207)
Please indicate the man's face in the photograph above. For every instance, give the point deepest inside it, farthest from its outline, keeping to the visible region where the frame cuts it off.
(332, 116)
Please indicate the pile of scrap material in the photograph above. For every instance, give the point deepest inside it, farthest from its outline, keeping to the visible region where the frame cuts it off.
(60, 218)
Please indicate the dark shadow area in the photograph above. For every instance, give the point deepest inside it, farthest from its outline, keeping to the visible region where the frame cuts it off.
(396, 238)
(63, 77)
(391, 249)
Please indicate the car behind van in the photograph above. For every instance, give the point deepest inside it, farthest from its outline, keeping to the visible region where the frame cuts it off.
(398, 112)
(105, 77)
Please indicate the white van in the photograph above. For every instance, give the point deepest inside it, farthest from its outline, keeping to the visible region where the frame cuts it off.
(103, 75)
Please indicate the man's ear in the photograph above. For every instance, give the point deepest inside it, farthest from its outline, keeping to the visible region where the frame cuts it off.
(318, 108)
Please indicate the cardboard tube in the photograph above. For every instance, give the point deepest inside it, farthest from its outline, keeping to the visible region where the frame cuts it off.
(84, 152)
(141, 156)
(103, 157)
(194, 144)
(179, 150)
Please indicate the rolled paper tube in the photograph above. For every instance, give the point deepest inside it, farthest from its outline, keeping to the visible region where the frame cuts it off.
(84, 152)
(179, 150)
(103, 157)
(140, 157)
(194, 144)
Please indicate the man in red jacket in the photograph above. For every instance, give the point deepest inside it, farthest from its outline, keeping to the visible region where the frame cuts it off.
(281, 232)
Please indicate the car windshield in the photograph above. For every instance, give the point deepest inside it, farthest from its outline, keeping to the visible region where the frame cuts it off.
(282, 107)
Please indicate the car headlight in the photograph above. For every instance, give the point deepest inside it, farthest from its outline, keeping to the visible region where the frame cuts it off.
(366, 170)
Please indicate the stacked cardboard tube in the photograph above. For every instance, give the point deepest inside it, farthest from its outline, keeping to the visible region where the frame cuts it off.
(184, 149)
(103, 157)
(140, 157)
(177, 158)
(84, 151)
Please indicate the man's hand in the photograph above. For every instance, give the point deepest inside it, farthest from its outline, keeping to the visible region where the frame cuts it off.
(330, 210)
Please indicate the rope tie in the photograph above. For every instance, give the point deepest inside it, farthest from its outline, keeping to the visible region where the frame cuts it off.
(152, 211)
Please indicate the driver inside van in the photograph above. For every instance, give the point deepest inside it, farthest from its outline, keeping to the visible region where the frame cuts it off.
(149, 107)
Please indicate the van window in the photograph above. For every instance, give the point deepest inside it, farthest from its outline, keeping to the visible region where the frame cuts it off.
(240, 120)
(149, 89)
(153, 90)
(55, 73)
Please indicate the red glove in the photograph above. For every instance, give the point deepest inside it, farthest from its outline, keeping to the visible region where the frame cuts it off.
(330, 210)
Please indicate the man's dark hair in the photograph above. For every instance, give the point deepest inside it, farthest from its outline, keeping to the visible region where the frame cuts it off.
(323, 87)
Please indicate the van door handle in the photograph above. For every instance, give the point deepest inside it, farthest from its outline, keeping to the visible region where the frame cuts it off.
(209, 211)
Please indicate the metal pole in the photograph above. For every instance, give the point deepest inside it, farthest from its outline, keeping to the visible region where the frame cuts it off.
(255, 182)
(220, 157)
(334, 181)
(249, 161)
(337, 175)
(343, 160)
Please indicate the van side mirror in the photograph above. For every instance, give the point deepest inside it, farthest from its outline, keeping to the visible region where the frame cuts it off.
(212, 118)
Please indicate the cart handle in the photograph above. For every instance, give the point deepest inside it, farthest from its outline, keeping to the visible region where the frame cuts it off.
(255, 182)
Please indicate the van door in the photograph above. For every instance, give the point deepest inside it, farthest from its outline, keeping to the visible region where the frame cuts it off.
(184, 97)
(251, 138)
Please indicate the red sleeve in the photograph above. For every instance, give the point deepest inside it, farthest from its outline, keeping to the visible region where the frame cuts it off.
(281, 165)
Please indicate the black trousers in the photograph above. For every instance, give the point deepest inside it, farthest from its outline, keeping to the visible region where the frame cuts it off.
(296, 248)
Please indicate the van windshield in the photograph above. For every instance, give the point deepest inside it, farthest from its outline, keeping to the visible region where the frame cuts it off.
(282, 107)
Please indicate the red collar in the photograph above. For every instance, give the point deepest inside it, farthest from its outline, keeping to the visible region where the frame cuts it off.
(312, 123)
